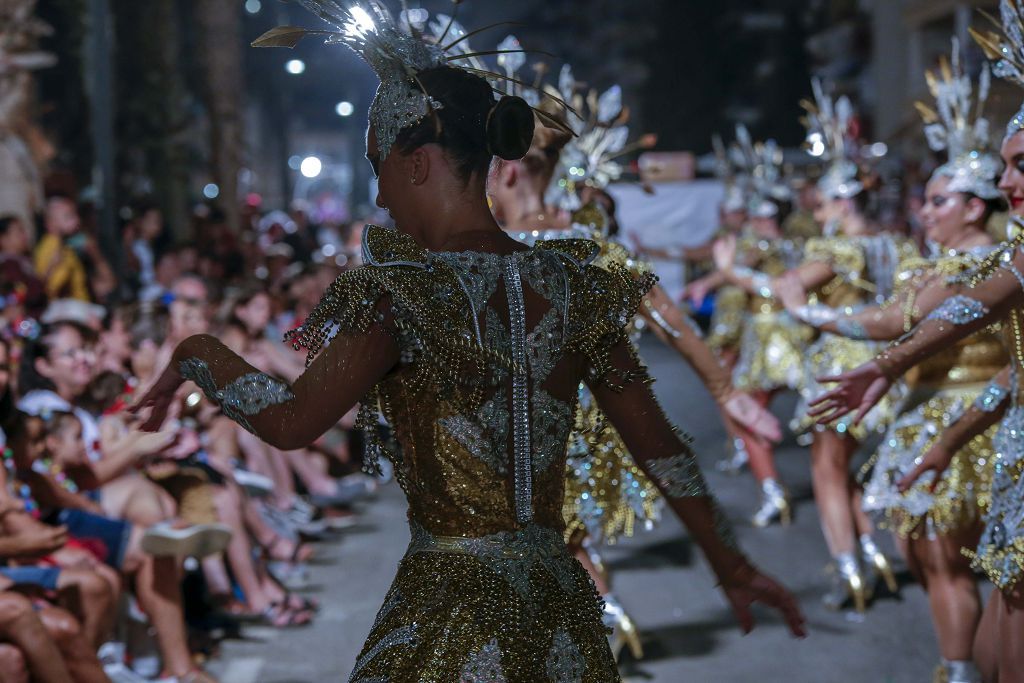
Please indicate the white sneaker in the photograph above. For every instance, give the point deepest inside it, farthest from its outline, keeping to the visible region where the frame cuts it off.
(197, 540)
(120, 673)
(254, 484)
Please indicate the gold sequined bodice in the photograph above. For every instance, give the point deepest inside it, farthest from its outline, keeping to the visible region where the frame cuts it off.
(974, 360)
(484, 451)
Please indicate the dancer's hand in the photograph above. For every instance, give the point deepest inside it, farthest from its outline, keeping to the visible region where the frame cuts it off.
(859, 390)
(697, 291)
(790, 291)
(751, 416)
(157, 401)
(748, 586)
(936, 460)
(724, 252)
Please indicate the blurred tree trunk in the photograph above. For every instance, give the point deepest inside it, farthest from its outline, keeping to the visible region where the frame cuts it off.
(169, 164)
(220, 24)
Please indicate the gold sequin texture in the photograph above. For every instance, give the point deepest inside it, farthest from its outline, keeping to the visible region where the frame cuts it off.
(477, 591)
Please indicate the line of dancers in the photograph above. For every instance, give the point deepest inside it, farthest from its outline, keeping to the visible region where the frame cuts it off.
(503, 360)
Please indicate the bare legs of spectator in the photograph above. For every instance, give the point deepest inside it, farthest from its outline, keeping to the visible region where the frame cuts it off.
(311, 471)
(79, 654)
(259, 457)
(89, 595)
(13, 667)
(138, 500)
(21, 627)
(158, 590)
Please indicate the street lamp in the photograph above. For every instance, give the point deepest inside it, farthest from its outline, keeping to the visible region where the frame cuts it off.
(311, 167)
(344, 109)
(295, 67)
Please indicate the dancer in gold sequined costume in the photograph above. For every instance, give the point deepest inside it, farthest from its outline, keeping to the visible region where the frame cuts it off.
(935, 518)
(990, 293)
(473, 347)
(853, 267)
(772, 343)
(607, 493)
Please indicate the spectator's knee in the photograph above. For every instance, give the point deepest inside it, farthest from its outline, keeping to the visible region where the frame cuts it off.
(13, 607)
(13, 667)
(62, 626)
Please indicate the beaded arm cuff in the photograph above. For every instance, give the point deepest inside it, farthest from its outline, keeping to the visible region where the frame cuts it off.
(680, 477)
(991, 398)
(248, 395)
(852, 329)
(959, 310)
(817, 315)
(761, 282)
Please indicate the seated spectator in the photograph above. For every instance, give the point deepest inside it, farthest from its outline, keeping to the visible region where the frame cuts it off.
(56, 262)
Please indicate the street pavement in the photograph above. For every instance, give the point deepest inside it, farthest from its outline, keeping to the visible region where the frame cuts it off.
(688, 631)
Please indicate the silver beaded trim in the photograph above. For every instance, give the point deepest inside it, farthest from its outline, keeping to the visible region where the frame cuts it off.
(851, 329)
(816, 315)
(991, 398)
(405, 635)
(248, 395)
(959, 310)
(679, 476)
(523, 467)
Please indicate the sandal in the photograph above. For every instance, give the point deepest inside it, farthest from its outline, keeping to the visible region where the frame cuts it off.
(280, 615)
(231, 608)
(301, 552)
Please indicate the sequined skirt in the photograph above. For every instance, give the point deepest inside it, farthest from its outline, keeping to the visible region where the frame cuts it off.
(727, 318)
(832, 355)
(961, 495)
(606, 494)
(1000, 553)
(513, 607)
(771, 353)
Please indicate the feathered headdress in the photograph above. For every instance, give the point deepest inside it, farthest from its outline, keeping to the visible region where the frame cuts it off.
(397, 53)
(761, 163)
(1007, 51)
(958, 126)
(735, 198)
(828, 126)
(601, 139)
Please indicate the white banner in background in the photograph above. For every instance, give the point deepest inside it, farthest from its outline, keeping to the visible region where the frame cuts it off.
(678, 214)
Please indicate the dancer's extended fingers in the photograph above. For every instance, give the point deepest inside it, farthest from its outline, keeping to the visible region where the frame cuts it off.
(744, 616)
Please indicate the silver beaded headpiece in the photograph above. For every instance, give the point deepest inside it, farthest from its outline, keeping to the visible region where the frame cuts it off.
(1006, 49)
(735, 184)
(592, 157)
(957, 126)
(828, 124)
(761, 163)
(396, 51)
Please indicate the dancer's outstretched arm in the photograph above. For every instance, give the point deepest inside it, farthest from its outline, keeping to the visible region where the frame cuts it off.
(887, 322)
(676, 330)
(668, 460)
(286, 416)
(970, 309)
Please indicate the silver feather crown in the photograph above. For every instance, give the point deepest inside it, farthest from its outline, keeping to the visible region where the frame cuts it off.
(593, 157)
(735, 198)
(1006, 49)
(761, 163)
(957, 126)
(828, 124)
(396, 51)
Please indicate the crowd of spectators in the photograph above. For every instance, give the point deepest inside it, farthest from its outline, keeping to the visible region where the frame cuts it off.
(125, 555)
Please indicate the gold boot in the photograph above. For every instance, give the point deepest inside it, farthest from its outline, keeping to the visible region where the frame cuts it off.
(774, 505)
(873, 557)
(848, 585)
(624, 630)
